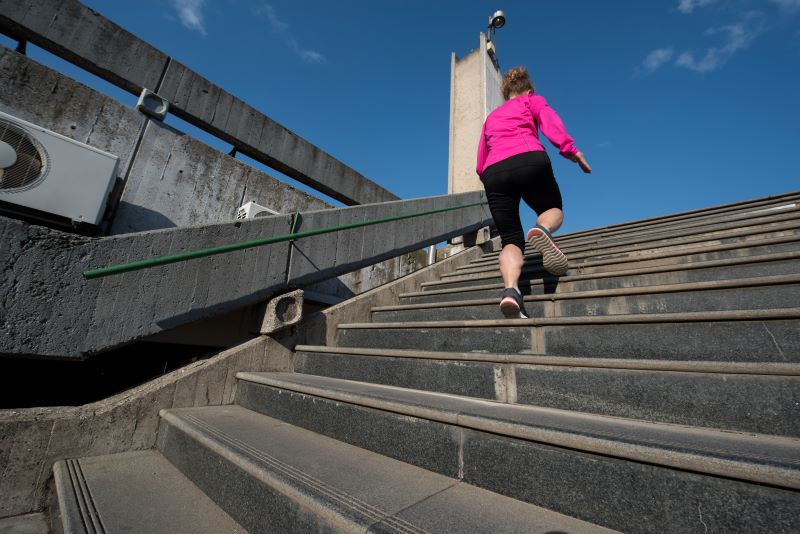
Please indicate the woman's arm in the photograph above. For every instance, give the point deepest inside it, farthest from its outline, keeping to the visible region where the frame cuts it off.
(553, 128)
(483, 151)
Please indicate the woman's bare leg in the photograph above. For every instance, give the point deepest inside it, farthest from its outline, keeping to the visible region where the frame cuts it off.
(511, 265)
(551, 219)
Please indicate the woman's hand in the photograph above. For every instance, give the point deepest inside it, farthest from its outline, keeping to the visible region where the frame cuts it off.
(580, 160)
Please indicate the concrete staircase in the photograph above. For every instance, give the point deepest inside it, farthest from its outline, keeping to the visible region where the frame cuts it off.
(656, 388)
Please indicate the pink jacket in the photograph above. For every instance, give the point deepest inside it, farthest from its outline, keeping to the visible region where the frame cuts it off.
(511, 129)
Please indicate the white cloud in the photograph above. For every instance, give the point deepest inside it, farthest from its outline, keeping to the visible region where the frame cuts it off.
(282, 28)
(687, 6)
(787, 5)
(190, 13)
(657, 58)
(737, 37)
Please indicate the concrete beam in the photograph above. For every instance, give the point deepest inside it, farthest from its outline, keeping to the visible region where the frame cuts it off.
(82, 36)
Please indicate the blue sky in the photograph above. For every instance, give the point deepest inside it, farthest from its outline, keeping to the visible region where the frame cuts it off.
(677, 104)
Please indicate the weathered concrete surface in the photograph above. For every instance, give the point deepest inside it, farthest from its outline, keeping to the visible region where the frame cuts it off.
(281, 312)
(83, 36)
(179, 181)
(46, 98)
(25, 524)
(31, 440)
(57, 313)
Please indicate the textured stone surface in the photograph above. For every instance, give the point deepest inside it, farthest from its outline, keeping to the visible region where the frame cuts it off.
(138, 491)
(750, 403)
(624, 495)
(428, 444)
(473, 379)
(488, 339)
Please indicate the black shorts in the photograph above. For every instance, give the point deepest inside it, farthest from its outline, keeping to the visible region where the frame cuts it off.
(527, 176)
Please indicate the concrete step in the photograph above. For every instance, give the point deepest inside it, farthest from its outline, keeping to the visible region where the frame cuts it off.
(766, 226)
(134, 492)
(652, 257)
(752, 335)
(577, 464)
(756, 207)
(275, 477)
(742, 218)
(739, 294)
(762, 397)
(678, 258)
(702, 233)
(700, 271)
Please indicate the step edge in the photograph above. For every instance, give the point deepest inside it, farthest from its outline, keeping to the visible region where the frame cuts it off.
(679, 366)
(688, 461)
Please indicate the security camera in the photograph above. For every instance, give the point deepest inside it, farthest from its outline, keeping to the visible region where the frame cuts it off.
(498, 20)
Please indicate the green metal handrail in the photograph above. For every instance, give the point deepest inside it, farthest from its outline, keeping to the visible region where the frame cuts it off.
(221, 249)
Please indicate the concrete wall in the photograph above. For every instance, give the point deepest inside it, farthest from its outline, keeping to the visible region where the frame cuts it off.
(57, 313)
(474, 93)
(83, 36)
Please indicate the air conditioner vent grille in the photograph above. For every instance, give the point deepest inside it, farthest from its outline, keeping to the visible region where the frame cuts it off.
(31, 166)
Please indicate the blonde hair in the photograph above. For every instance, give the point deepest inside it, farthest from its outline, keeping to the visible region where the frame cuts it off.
(516, 82)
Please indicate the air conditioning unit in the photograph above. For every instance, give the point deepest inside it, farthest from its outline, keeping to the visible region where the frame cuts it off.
(251, 210)
(44, 171)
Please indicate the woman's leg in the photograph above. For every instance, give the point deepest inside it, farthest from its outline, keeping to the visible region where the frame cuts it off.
(511, 265)
(551, 219)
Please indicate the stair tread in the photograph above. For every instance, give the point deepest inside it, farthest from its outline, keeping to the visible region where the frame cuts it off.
(356, 489)
(616, 274)
(637, 290)
(754, 457)
(136, 492)
(691, 366)
(705, 316)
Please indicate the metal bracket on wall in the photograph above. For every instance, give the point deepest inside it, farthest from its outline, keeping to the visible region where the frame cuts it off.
(152, 104)
(22, 47)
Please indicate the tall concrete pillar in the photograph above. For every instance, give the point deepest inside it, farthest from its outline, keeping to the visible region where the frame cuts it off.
(474, 93)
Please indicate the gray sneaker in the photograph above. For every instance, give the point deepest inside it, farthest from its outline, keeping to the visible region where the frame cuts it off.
(511, 304)
(554, 261)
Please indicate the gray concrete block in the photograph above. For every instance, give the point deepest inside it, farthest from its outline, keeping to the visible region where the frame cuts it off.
(775, 340)
(749, 403)
(471, 379)
(210, 385)
(489, 339)
(313, 255)
(81, 35)
(425, 443)
(23, 448)
(592, 488)
(160, 397)
(185, 386)
(25, 524)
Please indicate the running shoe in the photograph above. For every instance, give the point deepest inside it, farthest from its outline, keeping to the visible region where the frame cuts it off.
(511, 305)
(553, 259)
